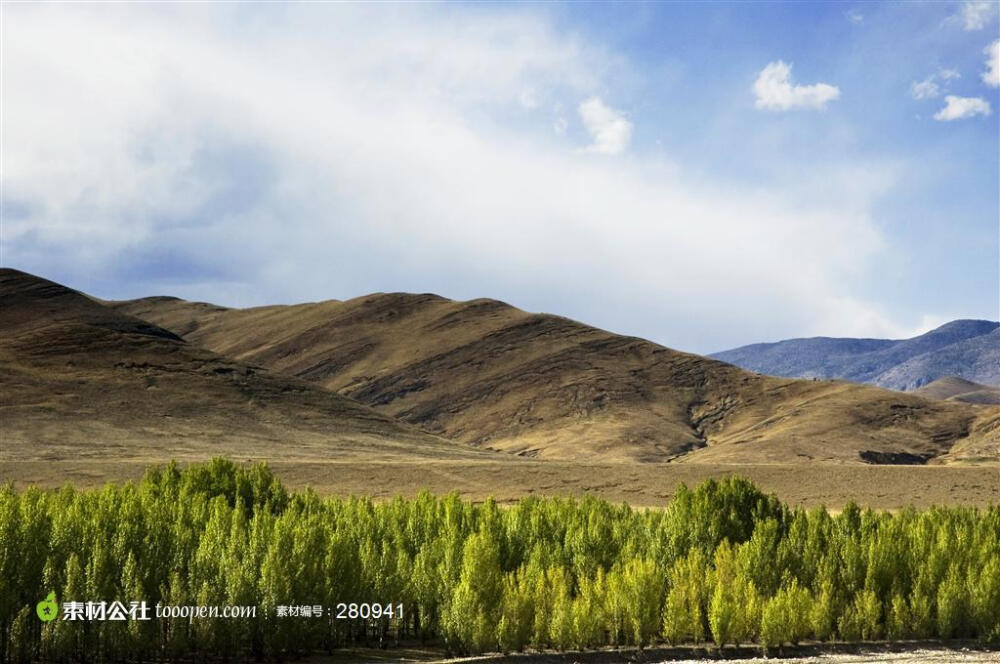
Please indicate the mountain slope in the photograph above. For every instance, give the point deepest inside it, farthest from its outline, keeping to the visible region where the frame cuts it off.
(966, 348)
(78, 379)
(953, 388)
(493, 376)
(977, 357)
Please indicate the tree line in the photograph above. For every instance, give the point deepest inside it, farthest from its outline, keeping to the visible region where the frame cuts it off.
(723, 562)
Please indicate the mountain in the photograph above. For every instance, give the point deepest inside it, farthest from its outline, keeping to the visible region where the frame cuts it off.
(953, 388)
(487, 374)
(969, 349)
(80, 380)
(976, 359)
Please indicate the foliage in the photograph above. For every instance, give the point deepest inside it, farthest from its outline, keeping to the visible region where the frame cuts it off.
(722, 562)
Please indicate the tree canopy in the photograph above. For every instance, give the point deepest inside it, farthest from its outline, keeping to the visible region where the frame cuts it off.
(722, 562)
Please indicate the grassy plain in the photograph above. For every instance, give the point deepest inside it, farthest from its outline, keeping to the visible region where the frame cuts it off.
(643, 485)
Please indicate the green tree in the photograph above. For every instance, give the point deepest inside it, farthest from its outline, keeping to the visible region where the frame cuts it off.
(561, 620)
(785, 617)
(985, 598)
(642, 586)
(516, 614)
(563, 572)
(472, 616)
(723, 608)
(823, 616)
(899, 619)
(684, 614)
(868, 609)
(590, 618)
(953, 606)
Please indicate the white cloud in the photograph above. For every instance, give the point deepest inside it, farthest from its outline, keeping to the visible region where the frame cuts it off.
(929, 89)
(775, 91)
(528, 99)
(609, 130)
(959, 108)
(559, 125)
(976, 14)
(925, 89)
(854, 16)
(992, 74)
(317, 152)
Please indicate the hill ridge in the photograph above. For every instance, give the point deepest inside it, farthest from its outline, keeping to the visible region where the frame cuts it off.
(82, 379)
(954, 388)
(493, 376)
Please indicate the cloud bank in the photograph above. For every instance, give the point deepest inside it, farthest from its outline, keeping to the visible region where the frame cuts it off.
(326, 151)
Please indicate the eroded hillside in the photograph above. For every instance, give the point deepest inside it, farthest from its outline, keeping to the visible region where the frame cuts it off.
(493, 376)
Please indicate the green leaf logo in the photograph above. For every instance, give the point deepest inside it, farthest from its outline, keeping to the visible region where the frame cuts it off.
(47, 609)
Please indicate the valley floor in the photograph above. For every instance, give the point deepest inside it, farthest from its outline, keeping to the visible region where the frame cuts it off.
(643, 485)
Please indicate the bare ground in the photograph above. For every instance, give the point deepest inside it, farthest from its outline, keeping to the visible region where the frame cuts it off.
(919, 656)
(914, 657)
(931, 653)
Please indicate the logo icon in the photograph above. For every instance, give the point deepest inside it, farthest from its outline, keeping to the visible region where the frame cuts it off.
(47, 609)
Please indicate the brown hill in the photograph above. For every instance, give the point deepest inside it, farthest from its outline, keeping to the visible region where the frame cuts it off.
(79, 379)
(493, 376)
(953, 388)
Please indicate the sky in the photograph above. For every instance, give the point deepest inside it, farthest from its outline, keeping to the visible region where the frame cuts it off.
(704, 175)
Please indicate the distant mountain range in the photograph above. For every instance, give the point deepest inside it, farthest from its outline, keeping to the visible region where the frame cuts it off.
(967, 349)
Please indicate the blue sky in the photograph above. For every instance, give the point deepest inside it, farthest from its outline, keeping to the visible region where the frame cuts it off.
(701, 174)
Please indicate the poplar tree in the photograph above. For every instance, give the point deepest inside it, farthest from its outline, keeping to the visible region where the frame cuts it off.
(785, 617)
(984, 591)
(516, 616)
(473, 613)
(684, 611)
(721, 561)
(953, 606)
(561, 619)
